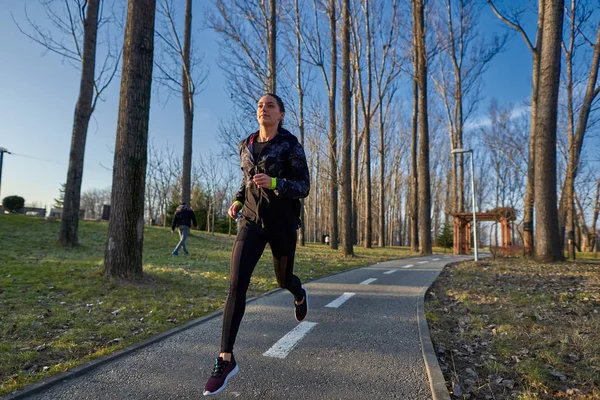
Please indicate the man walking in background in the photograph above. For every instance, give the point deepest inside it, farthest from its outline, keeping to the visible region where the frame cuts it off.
(183, 219)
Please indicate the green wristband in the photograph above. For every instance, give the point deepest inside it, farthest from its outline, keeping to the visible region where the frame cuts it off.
(273, 183)
(238, 202)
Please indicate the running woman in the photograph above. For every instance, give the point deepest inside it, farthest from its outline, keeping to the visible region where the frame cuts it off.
(275, 178)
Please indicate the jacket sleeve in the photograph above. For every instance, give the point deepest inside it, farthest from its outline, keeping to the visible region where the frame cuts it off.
(297, 185)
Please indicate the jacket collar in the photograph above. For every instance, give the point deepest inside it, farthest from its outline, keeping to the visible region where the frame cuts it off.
(281, 133)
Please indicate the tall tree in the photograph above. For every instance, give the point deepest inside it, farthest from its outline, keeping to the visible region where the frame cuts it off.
(187, 95)
(272, 83)
(514, 22)
(123, 253)
(178, 58)
(83, 111)
(346, 183)
(547, 246)
(424, 179)
(300, 87)
(464, 58)
(576, 16)
(78, 20)
(333, 158)
(386, 68)
(365, 93)
(414, 177)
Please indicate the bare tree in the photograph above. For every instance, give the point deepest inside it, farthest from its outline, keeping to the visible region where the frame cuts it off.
(92, 201)
(243, 28)
(313, 43)
(463, 60)
(577, 15)
(272, 85)
(386, 71)
(178, 58)
(424, 178)
(212, 175)
(295, 21)
(123, 254)
(163, 172)
(595, 219)
(79, 20)
(547, 246)
(514, 22)
(346, 183)
(413, 208)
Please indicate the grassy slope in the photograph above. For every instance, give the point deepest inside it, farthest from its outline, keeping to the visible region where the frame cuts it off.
(57, 310)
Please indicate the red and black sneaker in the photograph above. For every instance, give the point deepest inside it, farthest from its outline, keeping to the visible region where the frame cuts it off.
(222, 372)
(300, 310)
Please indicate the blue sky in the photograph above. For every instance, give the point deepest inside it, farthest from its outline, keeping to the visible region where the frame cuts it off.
(38, 92)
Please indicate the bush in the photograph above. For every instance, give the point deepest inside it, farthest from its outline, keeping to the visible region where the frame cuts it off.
(446, 237)
(13, 203)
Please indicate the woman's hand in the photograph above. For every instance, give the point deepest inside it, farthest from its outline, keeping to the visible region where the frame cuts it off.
(262, 181)
(234, 209)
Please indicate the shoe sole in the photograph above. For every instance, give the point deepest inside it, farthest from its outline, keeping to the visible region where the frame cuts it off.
(232, 373)
(306, 300)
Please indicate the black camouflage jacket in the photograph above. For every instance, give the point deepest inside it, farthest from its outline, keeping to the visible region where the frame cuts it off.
(282, 158)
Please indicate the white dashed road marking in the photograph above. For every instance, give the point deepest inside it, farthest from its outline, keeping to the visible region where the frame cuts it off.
(366, 282)
(422, 262)
(340, 300)
(287, 343)
(408, 266)
(436, 259)
(390, 272)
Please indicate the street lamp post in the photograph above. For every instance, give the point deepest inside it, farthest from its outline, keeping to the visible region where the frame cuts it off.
(2, 151)
(470, 151)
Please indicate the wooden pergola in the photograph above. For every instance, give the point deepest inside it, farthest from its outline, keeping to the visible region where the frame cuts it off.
(462, 227)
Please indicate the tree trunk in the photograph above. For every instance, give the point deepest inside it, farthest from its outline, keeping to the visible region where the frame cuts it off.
(547, 248)
(123, 254)
(83, 111)
(414, 183)
(333, 189)
(424, 185)
(301, 233)
(596, 240)
(528, 208)
(576, 136)
(355, 168)
(367, 120)
(347, 248)
(273, 47)
(188, 105)
(381, 178)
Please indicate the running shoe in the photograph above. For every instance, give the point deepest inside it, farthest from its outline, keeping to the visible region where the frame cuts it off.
(221, 373)
(301, 310)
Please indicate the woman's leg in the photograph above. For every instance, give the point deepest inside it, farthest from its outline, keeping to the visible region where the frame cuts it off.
(283, 247)
(249, 246)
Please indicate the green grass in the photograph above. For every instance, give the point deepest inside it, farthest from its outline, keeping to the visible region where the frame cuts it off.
(58, 310)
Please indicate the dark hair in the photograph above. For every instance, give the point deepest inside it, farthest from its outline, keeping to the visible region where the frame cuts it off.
(279, 103)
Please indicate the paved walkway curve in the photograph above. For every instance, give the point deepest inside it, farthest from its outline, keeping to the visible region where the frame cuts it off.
(364, 338)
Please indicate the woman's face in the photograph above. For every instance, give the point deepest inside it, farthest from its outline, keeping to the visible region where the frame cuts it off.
(268, 112)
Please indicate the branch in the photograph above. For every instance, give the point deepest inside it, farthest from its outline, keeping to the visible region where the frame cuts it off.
(515, 25)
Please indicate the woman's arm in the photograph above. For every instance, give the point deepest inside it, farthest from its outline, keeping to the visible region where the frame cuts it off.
(297, 185)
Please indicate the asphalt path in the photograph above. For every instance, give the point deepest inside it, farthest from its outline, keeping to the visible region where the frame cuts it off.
(360, 340)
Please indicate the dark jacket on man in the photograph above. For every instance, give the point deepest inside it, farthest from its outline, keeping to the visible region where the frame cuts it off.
(184, 216)
(282, 158)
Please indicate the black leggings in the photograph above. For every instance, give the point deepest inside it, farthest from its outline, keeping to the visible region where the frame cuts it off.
(247, 250)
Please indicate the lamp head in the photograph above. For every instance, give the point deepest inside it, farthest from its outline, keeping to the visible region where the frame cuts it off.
(457, 151)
